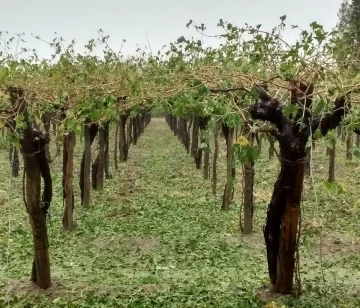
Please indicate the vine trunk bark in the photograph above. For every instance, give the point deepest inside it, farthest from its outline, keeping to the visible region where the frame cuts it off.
(32, 144)
(280, 231)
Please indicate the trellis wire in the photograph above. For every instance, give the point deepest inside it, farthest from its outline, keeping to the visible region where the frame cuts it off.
(317, 208)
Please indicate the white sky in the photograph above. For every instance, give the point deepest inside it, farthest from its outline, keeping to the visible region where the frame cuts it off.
(162, 21)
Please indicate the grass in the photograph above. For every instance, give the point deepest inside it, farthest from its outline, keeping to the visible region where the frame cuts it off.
(155, 237)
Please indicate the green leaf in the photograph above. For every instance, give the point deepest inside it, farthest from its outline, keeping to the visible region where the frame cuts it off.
(329, 186)
(295, 111)
(246, 154)
(3, 73)
(334, 188)
(290, 109)
(16, 142)
(233, 120)
(282, 18)
(202, 90)
(356, 152)
(319, 109)
(20, 123)
(286, 70)
(317, 134)
(329, 143)
(314, 25)
(254, 92)
(204, 145)
(330, 139)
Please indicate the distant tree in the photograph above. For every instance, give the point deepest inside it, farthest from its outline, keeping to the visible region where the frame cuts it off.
(349, 28)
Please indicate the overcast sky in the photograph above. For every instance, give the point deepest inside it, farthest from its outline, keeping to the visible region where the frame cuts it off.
(161, 21)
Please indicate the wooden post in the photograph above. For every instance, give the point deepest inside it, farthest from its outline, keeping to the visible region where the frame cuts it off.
(107, 150)
(215, 157)
(46, 123)
(68, 158)
(349, 144)
(123, 146)
(332, 155)
(204, 139)
(229, 135)
(90, 132)
(195, 138)
(135, 130)
(129, 132)
(248, 194)
(14, 160)
(100, 160)
(116, 145)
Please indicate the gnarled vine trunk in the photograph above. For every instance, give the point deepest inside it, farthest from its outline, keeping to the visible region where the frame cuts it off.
(281, 229)
(35, 166)
(32, 146)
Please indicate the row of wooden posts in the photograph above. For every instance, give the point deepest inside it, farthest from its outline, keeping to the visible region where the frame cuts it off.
(193, 134)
